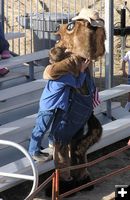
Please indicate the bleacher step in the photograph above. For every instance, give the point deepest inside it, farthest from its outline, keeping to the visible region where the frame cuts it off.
(21, 166)
(103, 107)
(114, 92)
(22, 89)
(120, 112)
(19, 130)
(112, 132)
(17, 60)
(12, 75)
(13, 35)
(17, 106)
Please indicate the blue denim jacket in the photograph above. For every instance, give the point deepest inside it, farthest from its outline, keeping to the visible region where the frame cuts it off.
(56, 93)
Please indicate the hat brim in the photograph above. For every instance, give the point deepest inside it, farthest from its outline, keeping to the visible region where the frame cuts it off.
(79, 17)
(95, 23)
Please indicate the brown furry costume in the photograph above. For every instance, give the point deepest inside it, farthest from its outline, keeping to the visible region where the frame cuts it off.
(69, 62)
(87, 42)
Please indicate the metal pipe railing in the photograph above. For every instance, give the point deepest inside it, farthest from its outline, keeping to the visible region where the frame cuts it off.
(98, 180)
(51, 178)
(33, 178)
(55, 177)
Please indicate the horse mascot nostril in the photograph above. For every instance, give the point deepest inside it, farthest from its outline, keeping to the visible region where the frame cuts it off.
(83, 39)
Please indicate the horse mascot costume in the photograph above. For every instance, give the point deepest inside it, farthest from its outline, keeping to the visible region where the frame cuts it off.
(83, 38)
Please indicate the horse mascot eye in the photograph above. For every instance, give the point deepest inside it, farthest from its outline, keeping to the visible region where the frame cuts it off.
(70, 26)
(57, 28)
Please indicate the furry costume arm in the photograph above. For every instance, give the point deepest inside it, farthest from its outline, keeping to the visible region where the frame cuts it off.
(70, 64)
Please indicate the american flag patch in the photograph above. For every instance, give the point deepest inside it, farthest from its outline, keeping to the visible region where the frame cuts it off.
(96, 100)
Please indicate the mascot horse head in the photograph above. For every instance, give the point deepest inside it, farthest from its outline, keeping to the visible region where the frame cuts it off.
(84, 36)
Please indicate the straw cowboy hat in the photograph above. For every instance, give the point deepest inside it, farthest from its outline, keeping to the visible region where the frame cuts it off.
(91, 15)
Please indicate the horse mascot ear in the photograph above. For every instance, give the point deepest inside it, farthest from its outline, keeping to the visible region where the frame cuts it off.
(84, 38)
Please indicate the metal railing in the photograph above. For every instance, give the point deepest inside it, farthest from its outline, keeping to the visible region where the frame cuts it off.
(33, 178)
(37, 9)
(55, 176)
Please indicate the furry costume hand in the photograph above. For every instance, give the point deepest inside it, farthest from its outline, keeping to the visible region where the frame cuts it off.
(70, 64)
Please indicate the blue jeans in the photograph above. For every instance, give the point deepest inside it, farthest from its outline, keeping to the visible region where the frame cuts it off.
(4, 45)
(43, 122)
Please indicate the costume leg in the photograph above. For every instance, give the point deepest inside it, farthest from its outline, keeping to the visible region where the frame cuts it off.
(79, 146)
(91, 137)
(62, 159)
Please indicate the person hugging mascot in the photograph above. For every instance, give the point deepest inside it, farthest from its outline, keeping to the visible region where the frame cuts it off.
(84, 39)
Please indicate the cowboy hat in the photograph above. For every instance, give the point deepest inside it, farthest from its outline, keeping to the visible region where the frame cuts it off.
(91, 15)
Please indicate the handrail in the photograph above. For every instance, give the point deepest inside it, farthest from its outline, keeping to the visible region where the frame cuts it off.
(98, 180)
(34, 177)
(55, 176)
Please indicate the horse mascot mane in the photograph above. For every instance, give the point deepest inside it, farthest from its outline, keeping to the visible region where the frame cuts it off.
(84, 38)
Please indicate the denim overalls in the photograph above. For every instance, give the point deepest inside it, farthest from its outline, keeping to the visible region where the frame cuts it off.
(67, 124)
